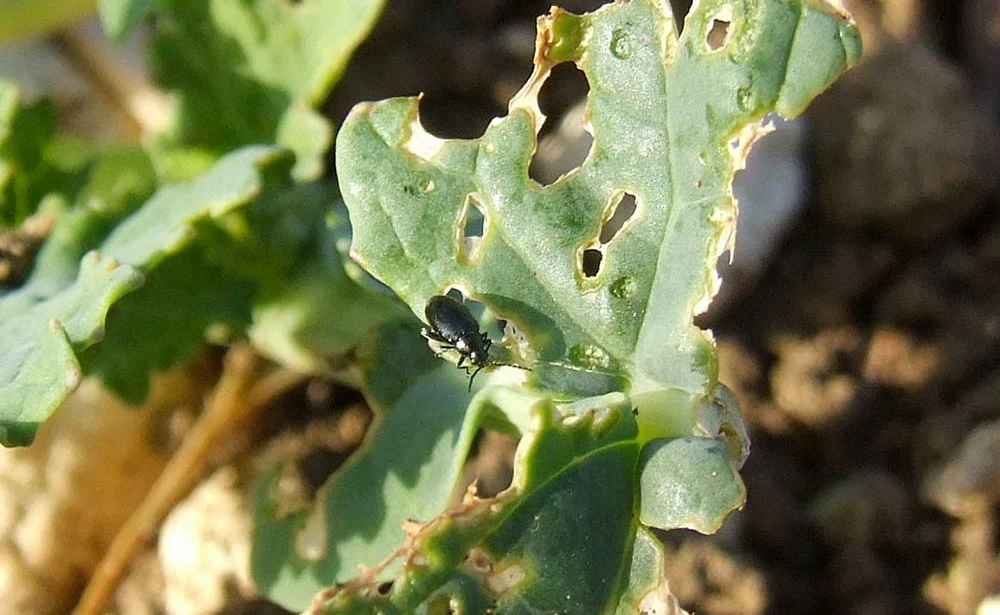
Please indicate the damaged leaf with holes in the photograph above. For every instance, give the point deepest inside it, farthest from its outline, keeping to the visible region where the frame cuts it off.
(555, 540)
(598, 276)
(408, 468)
(562, 539)
(672, 120)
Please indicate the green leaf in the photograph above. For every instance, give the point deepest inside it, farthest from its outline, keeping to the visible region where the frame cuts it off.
(166, 223)
(118, 180)
(559, 540)
(655, 439)
(194, 285)
(166, 321)
(671, 119)
(60, 309)
(309, 308)
(567, 538)
(647, 590)
(26, 131)
(38, 366)
(48, 321)
(407, 469)
(688, 483)
(35, 164)
(254, 71)
(120, 17)
(318, 309)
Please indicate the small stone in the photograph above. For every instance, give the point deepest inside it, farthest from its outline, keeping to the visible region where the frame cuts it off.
(901, 148)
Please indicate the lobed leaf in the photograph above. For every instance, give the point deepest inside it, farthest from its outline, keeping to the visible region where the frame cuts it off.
(253, 72)
(688, 483)
(201, 279)
(38, 365)
(166, 321)
(407, 470)
(560, 540)
(60, 311)
(672, 119)
(656, 439)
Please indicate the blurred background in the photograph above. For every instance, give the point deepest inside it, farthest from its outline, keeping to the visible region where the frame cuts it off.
(859, 325)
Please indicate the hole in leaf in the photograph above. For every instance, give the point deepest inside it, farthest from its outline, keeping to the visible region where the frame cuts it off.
(474, 219)
(491, 466)
(719, 28)
(621, 212)
(680, 9)
(317, 465)
(564, 141)
(590, 262)
(452, 113)
(565, 86)
(479, 561)
(471, 226)
(519, 342)
(717, 35)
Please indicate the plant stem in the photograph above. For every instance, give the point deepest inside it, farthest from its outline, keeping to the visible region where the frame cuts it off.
(238, 395)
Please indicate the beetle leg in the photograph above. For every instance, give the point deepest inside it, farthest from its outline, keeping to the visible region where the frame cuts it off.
(433, 335)
(441, 350)
(437, 343)
(473, 377)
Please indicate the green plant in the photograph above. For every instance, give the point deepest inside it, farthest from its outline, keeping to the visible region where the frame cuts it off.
(623, 425)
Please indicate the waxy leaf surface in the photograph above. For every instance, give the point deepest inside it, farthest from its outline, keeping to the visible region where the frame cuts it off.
(61, 308)
(254, 72)
(655, 440)
(671, 119)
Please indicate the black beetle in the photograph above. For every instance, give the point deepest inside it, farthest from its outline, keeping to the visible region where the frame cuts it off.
(453, 327)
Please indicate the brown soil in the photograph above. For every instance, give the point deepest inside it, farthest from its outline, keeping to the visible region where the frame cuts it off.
(867, 361)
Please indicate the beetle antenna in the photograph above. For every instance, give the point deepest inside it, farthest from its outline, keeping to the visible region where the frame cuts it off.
(502, 364)
(494, 364)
